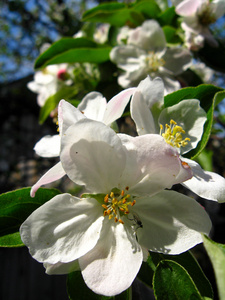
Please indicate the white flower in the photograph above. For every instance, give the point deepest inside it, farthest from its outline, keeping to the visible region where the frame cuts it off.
(197, 16)
(93, 106)
(181, 125)
(48, 81)
(146, 53)
(108, 231)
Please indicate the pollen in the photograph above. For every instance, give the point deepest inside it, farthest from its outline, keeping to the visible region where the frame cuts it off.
(153, 62)
(173, 135)
(117, 205)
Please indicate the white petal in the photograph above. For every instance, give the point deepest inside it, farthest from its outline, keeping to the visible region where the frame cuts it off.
(114, 262)
(170, 83)
(93, 106)
(190, 116)
(53, 174)
(188, 7)
(149, 36)
(152, 91)
(177, 60)
(62, 268)
(48, 146)
(115, 107)
(63, 229)
(172, 222)
(67, 115)
(141, 115)
(205, 184)
(93, 155)
(151, 165)
(121, 55)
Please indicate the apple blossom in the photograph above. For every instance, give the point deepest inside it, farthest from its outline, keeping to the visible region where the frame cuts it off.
(127, 211)
(146, 54)
(181, 125)
(197, 16)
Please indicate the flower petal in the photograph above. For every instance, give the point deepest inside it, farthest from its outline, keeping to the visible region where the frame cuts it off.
(141, 114)
(67, 115)
(190, 116)
(152, 91)
(177, 60)
(93, 106)
(63, 229)
(48, 146)
(188, 7)
(152, 167)
(62, 268)
(112, 265)
(172, 222)
(53, 174)
(93, 155)
(149, 36)
(205, 184)
(115, 107)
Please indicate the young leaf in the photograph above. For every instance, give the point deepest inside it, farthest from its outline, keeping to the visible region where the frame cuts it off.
(16, 206)
(77, 290)
(209, 96)
(171, 281)
(71, 50)
(216, 254)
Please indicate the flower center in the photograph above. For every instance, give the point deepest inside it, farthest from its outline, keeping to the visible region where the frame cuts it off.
(206, 17)
(116, 204)
(173, 135)
(153, 61)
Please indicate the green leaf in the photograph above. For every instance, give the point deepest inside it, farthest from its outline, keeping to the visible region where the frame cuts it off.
(171, 281)
(186, 260)
(209, 96)
(216, 254)
(71, 50)
(16, 206)
(171, 35)
(117, 14)
(66, 92)
(205, 160)
(11, 240)
(168, 17)
(148, 8)
(77, 290)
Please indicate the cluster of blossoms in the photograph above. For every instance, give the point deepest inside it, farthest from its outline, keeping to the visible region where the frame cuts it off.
(128, 207)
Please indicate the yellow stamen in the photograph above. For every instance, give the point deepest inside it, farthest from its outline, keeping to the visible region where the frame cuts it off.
(116, 205)
(173, 134)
